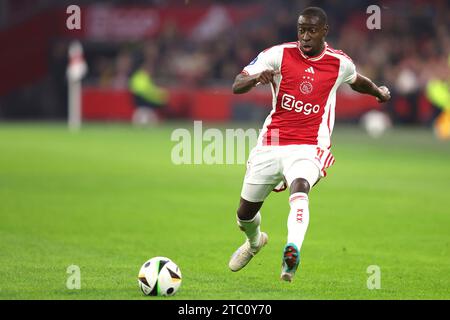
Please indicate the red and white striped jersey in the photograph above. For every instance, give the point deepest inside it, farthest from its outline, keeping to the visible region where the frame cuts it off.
(304, 96)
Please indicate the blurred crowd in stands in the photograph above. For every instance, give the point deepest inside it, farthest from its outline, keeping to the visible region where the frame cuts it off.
(412, 46)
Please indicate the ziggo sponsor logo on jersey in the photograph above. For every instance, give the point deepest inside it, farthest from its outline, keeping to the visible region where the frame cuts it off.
(288, 102)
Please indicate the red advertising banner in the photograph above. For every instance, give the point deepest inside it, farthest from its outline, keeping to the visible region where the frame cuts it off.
(104, 104)
(127, 23)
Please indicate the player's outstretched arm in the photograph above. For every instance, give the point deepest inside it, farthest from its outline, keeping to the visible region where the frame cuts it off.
(244, 83)
(365, 85)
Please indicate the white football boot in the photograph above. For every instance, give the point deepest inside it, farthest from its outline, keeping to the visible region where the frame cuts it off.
(245, 253)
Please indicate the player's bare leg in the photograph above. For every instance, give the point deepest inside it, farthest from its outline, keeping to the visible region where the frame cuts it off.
(249, 220)
(297, 224)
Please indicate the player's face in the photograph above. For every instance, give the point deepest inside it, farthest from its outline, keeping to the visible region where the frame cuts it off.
(311, 34)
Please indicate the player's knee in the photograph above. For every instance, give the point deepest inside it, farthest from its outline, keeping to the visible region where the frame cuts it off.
(247, 210)
(300, 185)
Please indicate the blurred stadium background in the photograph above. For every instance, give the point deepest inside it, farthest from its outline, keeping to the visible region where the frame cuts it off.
(194, 49)
(109, 197)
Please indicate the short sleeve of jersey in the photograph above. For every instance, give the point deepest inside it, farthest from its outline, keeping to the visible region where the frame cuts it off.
(266, 60)
(349, 72)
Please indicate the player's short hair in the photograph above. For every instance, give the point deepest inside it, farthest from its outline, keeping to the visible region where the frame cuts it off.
(316, 12)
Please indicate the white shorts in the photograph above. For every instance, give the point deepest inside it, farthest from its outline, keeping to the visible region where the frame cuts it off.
(269, 167)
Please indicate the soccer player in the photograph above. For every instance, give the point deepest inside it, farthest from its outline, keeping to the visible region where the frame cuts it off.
(294, 145)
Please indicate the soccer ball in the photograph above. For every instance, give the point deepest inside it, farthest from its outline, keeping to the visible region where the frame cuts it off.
(375, 123)
(159, 276)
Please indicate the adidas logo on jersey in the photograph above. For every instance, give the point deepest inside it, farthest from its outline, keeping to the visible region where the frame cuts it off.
(310, 70)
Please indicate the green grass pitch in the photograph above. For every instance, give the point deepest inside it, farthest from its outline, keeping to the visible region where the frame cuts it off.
(109, 198)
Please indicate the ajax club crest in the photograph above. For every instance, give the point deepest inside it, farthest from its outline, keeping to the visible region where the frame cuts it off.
(306, 87)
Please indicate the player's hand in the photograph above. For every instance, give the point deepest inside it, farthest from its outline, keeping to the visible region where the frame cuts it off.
(385, 95)
(266, 77)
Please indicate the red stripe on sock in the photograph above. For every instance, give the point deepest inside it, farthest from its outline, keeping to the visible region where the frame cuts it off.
(298, 197)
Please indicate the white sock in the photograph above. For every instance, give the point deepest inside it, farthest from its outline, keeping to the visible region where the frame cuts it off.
(298, 219)
(251, 229)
